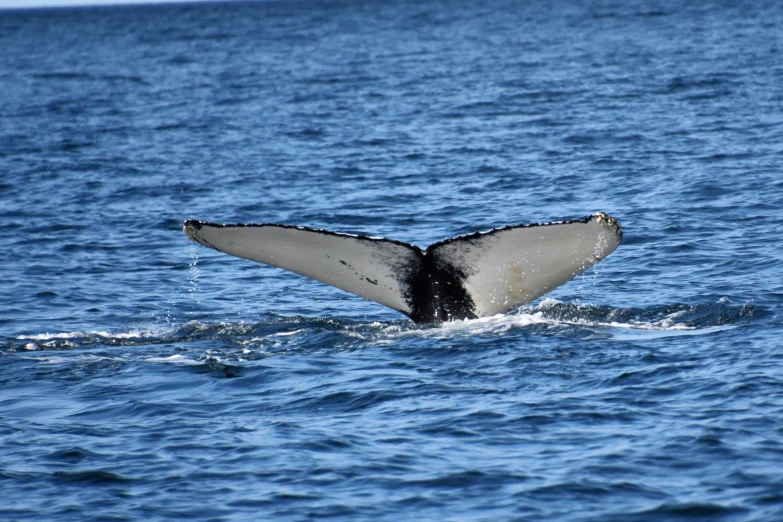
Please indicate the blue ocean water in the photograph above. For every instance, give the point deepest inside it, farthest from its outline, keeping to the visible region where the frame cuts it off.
(144, 377)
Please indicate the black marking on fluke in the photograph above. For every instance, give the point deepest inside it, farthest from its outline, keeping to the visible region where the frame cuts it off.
(438, 293)
(434, 291)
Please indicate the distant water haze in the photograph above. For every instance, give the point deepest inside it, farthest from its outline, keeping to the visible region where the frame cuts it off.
(14, 4)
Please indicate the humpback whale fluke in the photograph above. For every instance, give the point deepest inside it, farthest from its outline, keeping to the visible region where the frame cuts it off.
(463, 277)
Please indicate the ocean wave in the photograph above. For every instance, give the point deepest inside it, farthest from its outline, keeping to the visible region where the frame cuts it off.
(280, 332)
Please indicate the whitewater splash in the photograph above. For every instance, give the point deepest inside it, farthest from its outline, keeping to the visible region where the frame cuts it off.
(293, 333)
(556, 315)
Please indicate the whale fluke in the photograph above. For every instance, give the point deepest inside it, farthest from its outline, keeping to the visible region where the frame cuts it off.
(464, 277)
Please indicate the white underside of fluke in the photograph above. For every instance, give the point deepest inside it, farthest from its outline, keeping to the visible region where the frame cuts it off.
(514, 266)
(498, 270)
(363, 266)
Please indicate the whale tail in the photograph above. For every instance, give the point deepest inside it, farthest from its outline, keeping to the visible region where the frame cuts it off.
(464, 277)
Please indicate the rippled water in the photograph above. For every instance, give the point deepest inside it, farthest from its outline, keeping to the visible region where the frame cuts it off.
(142, 376)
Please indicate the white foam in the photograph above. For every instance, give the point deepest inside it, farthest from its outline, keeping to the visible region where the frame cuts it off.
(492, 324)
(252, 341)
(633, 334)
(286, 334)
(133, 334)
(498, 324)
(53, 360)
(89, 358)
(664, 324)
(48, 336)
(175, 359)
(667, 323)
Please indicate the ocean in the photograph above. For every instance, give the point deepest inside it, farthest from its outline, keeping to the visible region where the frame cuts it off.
(144, 377)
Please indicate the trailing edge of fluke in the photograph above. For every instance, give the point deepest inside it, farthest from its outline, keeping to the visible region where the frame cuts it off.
(464, 277)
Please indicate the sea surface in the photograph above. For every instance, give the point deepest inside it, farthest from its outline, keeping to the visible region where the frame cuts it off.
(143, 377)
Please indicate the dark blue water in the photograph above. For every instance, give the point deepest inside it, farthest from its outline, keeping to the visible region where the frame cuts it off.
(143, 377)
